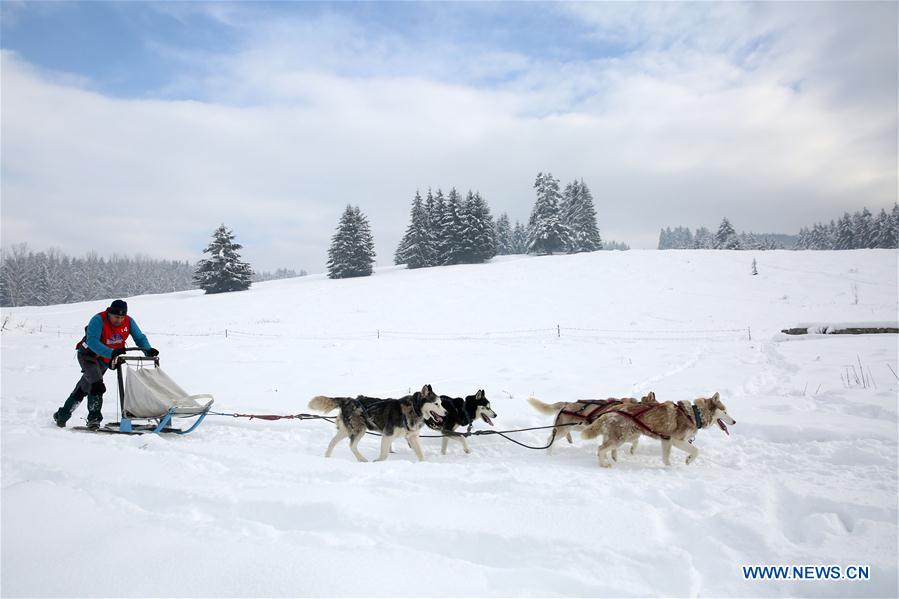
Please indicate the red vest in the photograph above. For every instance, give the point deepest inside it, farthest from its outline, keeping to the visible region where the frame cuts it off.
(112, 337)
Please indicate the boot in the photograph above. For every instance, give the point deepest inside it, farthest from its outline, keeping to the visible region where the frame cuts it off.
(62, 415)
(94, 411)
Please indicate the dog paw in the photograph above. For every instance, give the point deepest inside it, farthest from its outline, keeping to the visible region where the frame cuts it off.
(467, 450)
(689, 459)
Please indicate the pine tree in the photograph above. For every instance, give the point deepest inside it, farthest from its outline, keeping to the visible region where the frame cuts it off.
(726, 237)
(883, 231)
(664, 237)
(503, 235)
(435, 206)
(894, 218)
(703, 240)
(546, 232)
(582, 220)
(519, 239)
(223, 270)
(352, 250)
(568, 205)
(417, 249)
(451, 248)
(863, 228)
(845, 234)
(478, 234)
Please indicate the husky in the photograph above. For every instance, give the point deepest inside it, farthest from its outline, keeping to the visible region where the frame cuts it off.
(462, 412)
(391, 418)
(577, 415)
(674, 424)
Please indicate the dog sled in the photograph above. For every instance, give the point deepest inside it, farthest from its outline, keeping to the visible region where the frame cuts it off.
(149, 400)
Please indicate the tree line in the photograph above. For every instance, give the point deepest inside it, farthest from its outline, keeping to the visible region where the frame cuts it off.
(30, 278)
(449, 229)
(859, 230)
(725, 238)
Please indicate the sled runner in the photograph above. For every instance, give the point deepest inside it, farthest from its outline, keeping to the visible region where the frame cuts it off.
(149, 399)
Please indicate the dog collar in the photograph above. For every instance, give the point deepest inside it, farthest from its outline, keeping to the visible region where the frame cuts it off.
(697, 417)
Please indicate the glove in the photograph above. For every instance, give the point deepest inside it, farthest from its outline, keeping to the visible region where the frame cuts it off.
(152, 352)
(115, 354)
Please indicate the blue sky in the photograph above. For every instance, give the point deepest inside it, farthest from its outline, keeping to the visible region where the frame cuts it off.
(134, 49)
(169, 118)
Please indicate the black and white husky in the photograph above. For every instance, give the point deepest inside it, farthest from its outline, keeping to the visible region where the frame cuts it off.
(462, 412)
(392, 418)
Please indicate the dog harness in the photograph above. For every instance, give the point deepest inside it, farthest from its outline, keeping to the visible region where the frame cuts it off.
(642, 425)
(597, 407)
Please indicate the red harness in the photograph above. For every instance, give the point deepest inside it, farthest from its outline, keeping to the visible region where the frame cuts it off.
(606, 406)
(598, 407)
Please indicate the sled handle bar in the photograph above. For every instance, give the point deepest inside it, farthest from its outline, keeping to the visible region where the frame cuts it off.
(125, 358)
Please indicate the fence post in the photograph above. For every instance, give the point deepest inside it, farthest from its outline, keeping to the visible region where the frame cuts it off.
(226, 333)
(749, 330)
(558, 331)
(379, 333)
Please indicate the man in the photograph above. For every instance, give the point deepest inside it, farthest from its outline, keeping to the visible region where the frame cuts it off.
(103, 342)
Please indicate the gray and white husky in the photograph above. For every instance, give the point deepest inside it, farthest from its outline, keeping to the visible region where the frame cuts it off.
(392, 418)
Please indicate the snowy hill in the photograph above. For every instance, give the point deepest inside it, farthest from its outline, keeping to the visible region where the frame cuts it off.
(251, 508)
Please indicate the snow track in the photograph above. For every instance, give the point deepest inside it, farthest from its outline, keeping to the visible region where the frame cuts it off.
(251, 508)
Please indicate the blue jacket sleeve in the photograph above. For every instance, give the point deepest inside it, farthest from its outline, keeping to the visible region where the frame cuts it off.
(139, 337)
(94, 330)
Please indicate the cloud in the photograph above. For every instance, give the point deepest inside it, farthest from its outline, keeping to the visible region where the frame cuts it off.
(751, 118)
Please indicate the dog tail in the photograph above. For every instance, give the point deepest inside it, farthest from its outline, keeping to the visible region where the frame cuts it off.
(546, 408)
(320, 403)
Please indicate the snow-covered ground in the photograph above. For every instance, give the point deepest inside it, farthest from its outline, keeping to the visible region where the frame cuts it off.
(251, 508)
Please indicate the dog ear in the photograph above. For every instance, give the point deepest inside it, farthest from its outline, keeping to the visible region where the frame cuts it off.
(479, 394)
(426, 390)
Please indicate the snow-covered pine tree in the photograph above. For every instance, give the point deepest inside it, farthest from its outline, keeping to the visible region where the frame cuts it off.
(748, 241)
(584, 230)
(703, 240)
(894, 218)
(352, 250)
(519, 239)
(726, 237)
(417, 247)
(883, 231)
(503, 235)
(845, 234)
(479, 232)
(568, 205)
(546, 232)
(451, 246)
(435, 219)
(665, 238)
(863, 226)
(223, 270)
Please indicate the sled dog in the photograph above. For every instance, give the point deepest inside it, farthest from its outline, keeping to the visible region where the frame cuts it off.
(577, 415)
(673, 424)
(462, 412)
(392, 418)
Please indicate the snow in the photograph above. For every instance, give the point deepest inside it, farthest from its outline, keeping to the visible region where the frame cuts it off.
(251, 508)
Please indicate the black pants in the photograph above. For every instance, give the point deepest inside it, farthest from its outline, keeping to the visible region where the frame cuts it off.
(90, 384)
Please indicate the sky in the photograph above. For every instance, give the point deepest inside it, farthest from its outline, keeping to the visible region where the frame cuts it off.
(137, 128)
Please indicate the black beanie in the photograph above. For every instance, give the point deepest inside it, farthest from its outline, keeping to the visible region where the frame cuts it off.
(118, 307)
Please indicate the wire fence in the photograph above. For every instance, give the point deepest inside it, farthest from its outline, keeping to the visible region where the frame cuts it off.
(558, 332)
